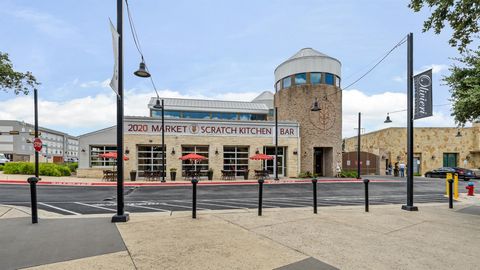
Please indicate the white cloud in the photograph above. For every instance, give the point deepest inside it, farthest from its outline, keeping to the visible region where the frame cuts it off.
(374, 109)
(436, 68)
(96, 84)
(46, 23)
(95, 112)
(398, 78)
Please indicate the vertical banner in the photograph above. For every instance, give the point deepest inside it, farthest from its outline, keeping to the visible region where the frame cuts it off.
(423, 94)
(115, 36)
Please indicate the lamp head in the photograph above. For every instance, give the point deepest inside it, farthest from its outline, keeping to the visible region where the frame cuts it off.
(315, 107)
(142, 71)
(388, 119)
(157, 105)
(458, 134)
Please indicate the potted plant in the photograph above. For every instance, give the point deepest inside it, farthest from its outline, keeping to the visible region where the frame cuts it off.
(210, 174)
(133, 175)
(245, 175)
(173, 173)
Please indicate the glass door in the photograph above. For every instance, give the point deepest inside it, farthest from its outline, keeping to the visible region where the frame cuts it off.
(269, 165)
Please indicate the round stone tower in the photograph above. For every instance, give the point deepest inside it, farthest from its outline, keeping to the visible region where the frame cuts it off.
(307, 90)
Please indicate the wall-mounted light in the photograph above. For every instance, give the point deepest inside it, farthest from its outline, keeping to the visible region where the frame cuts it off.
(127, 151)
(257, 151)
(216, 151)
(433, 156)
(83, 150)
(150, 141)
(459, 134)
(295, 151)
(173, 150)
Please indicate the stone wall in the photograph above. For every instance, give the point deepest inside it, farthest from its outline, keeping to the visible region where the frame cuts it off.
(429, 146)
(318, 129)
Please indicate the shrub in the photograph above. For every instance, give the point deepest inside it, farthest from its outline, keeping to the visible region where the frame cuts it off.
(348, 174)
(72, 166)
(1, 168)
(48, 169)
(306, 174)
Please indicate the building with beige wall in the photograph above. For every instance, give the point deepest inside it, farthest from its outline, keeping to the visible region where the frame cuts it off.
(434, 147)
(229, 132)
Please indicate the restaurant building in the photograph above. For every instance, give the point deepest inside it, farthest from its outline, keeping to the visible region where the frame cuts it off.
(434, 147)
(227, 133)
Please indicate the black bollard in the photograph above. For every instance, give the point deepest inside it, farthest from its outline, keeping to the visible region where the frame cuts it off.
(260, 194)
(314, 182)
(450, 193)
(33, 195)
(366, 181)
(194, 198)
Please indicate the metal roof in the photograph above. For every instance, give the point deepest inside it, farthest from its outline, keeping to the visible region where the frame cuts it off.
(203, 105)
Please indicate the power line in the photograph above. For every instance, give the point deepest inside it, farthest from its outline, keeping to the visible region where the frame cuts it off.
(137, 45)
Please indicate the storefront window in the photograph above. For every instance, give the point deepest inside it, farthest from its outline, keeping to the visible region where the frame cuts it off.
(315, 78)
(188, 165)
(287, 82)
(329, 78)
(96, 161)
(235, 159)
(337, 81)
(196, 115)
(224, 116)
(259, 117)
(269, 164)
(150, 159)
(301, 78)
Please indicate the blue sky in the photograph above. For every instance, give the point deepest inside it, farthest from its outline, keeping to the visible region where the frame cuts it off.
(212, 49)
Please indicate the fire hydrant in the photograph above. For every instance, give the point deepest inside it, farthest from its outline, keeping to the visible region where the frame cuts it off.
(470, 187)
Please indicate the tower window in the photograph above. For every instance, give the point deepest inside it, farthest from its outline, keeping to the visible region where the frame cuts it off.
(278, 85)
(337, 81)
(301, 78)
(315, 78)
(287, 82)
(329, 79)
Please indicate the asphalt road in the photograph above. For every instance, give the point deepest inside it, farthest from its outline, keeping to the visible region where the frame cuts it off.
(78, 200)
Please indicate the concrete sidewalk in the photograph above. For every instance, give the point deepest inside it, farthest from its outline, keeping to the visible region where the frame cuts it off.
(336, 238)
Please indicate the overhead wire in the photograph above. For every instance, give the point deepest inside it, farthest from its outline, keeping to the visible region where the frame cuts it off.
(136, 41)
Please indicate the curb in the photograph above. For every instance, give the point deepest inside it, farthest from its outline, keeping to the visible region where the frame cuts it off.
(201, 183)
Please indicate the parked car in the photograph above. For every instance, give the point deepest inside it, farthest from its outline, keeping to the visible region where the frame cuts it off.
(3, 159)
(463, 173)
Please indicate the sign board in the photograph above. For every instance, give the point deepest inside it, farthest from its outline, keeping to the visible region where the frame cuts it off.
(205, 128)
(37, 144)
(115, 38)
(423, 94)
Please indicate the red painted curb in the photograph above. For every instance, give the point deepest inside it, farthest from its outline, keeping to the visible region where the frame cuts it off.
(268, 182)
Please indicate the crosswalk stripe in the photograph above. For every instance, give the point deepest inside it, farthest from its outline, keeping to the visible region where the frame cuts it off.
(58, 208)
(99, 207)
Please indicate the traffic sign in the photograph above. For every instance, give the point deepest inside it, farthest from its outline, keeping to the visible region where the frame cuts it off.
(37, 144)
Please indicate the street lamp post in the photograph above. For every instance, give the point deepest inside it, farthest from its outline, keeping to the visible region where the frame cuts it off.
(159, 106)
(120, 216)
(276, 143)
(358, 144)
(409, 206)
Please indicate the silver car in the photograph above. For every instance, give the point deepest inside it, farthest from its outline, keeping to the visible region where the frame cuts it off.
(3, 159)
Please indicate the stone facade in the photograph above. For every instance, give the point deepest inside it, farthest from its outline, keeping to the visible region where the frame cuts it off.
(430, 145)
(320, 129)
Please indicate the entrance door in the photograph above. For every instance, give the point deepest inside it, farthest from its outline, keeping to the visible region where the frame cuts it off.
(318, 161)
(416, 165)
(269, 165)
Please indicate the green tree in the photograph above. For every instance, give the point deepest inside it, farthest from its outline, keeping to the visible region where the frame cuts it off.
(13, 80)
(462, 15)
(464, 82)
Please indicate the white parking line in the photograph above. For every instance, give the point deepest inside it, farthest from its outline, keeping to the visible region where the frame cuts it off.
(58, 208)
(183, 206)
(287, 203)
(227, 206)
(146, 207)
(99, 207)
(241, 203)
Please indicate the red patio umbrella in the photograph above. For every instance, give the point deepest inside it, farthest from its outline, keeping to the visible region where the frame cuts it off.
(192, 156)
(112, 155)
(261, 157)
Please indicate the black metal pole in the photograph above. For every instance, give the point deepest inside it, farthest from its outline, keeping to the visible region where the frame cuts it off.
(120, 216)
(450, 193)
(33, 180)
(260, 195)
(163, 143)
(366, 181)
(314, 182)
(194, 198)
(358, 144)
(409, 206)
(276, 143)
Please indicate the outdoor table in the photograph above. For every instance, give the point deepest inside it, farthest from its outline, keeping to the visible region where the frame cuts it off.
(109, 175)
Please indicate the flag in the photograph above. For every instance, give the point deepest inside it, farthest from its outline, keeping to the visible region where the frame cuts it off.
(115, 37)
